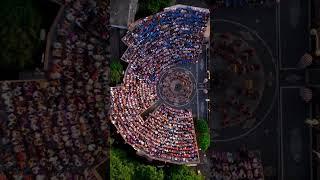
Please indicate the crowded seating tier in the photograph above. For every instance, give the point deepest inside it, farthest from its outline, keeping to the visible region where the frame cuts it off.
(170, 36)
(156, 43)
(167, 134)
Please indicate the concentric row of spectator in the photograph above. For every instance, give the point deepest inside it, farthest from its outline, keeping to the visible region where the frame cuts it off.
(169, 37)
(156, 43)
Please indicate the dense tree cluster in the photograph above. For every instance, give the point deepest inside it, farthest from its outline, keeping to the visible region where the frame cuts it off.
(123, 167)
(202, 126)
(183, 172)
(203, 134)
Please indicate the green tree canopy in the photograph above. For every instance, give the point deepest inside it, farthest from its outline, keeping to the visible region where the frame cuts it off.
(204, 141)
(116, 71)
(202, 126)
(124, 168)
(147, 172)
(183, 172)
(120, 168)
(203, 134)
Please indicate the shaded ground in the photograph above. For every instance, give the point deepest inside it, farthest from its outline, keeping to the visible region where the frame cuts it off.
(294, 31)
(21, 24)
(294, 42)
(296, 138)
(232, 85)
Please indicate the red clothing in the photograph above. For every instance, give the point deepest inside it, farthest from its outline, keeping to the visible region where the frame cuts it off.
(3, 177)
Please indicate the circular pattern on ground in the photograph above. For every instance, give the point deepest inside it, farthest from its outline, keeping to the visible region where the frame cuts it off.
(244, 80)
(241, 79)
(176, 87)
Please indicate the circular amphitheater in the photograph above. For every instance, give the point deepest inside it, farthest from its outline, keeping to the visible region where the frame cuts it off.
(144, 108)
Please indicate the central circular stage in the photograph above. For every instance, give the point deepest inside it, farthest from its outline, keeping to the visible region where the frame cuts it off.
(176, 87)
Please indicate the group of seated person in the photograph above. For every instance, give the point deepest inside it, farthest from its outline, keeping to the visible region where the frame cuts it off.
(156, 43)
(172, 129)
(243, 165)
(57, 128)
(167, 134)
(169, 37)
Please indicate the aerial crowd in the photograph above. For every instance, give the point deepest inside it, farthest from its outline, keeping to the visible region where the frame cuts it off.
(159, 41)
(241, 165)
(57, 128)
(155, 44)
